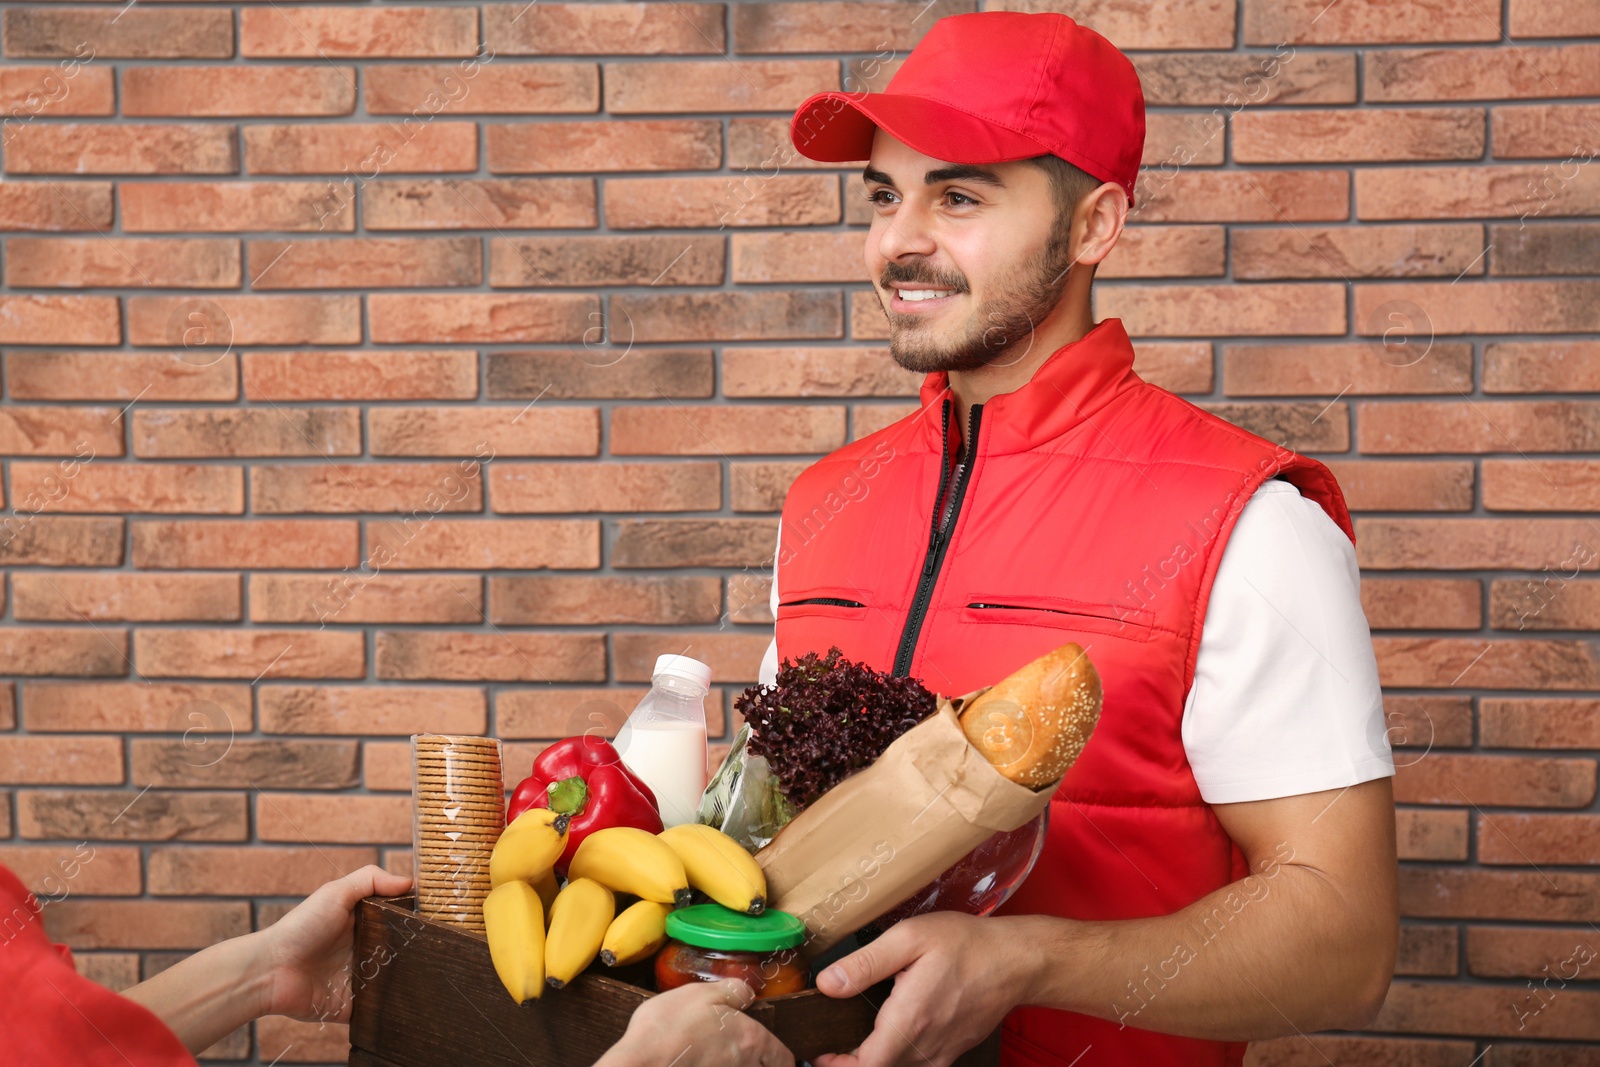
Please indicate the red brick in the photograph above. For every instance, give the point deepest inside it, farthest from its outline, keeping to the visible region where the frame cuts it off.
(738, 315)
(234, 207)
(694, 543)
(724, 429)
(1404, 485)
(132, 815)
(599, 373)
(1431, 835)
(8, 706)
(366, 487)
(114, 970)
(1481, 73)
(361, 148)
(1493, 1011)
(215, 762)
(1473, 544)
(287, 1040)
(872, 25)
(386, 375)
(1255, 196)
(781, 200)
(795, 372)
(353, 820)
(1541, 485)
(1457, 893)
(1472, 192)
(1541, 367)
(500, 317)
(252, 654)
(529, 600)
(1539, 131)
(1198, 79)
(555, 713)
(1523, 781)
(323, 32)
(468, 544)
(275, 431)
(1228, 310)
(54, 650)
(62, 760)
(1540, 723)
(253, 544)
(1371, 367)
(1553, 18)
(386, 765)
(869, 418)
(611, 486)
(1269, 22)
(256, 870)
(485, 431)
(602, 29)
(503, 657)
(119, 376)
(1526, 840)
(1428, 722)
(469, 87)
(117, 597)
(538, 262)
(472, 204)
(142, 33)
(59, 320)
(1305, 135)
(765, 143)
(1476, 426)
(365, 262)
(1422, 603)
(55, 205)
(55, 90)
(323, 598)
(132, 487)
(60, 542)
(1179, 367)
(713, 84)
(1164, 252)
(1306, 427)
(1486, 307)
(1556, 955)
(1509, 664)
(56, 872)
(239, 92)
(136, 707)
(612, 145)
(100, 262)
(372, 710)
(1429, 949)
(735, 657)
(1400, 251)
(82, 434)
(118, 148)
(145, 924)
(248, 320)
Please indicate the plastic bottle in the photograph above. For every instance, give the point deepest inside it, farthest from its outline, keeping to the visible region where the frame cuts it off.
(664, 740)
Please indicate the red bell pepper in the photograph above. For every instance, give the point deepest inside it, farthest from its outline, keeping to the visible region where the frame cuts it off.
(584, 777)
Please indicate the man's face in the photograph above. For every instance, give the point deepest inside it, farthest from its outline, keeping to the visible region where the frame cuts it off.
(992, 248)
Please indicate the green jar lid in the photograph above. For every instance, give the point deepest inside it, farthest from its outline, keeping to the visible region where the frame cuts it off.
(714, 926)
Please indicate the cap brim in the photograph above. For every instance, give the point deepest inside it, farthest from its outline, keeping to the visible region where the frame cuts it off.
(835, 127)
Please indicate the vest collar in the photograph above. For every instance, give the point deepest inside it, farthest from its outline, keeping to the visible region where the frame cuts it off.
(1077, 379)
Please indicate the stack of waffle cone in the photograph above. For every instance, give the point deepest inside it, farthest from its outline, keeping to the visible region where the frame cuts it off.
(458, 804)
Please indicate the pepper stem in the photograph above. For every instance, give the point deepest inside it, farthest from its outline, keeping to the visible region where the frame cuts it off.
(568, 796)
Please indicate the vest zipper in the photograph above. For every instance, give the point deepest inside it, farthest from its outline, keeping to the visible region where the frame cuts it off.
(840, 601)
(939, 539)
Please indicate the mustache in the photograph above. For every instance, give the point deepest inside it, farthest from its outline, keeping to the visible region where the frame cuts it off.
(924, 283)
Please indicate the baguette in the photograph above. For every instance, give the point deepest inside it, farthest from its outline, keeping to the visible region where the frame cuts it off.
(1033, 724)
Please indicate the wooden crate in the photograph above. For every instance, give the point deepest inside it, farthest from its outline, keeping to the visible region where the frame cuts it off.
(426, 995)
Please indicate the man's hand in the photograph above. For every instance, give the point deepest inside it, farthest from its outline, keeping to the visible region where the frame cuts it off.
(955, 979)
(307, 953)
(699, 1025)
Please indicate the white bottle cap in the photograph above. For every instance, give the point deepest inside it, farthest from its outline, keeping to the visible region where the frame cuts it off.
(684, 667)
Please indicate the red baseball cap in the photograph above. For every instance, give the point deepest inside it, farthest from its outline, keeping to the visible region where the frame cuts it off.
(990, 87)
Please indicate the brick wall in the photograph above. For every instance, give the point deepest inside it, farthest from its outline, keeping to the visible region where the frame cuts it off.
(374, 368)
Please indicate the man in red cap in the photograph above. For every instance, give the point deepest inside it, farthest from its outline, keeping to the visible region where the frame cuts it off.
(1220, 862)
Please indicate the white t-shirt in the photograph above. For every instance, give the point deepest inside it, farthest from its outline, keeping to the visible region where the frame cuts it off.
(1285, 698)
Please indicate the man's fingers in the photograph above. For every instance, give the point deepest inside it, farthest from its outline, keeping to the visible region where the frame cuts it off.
(866, 967)
(734, 992)
(370, 880)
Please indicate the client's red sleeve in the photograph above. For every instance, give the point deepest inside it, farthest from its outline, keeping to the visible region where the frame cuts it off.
(49, 1015)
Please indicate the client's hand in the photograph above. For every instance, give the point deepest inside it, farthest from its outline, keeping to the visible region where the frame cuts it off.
(699, 1025)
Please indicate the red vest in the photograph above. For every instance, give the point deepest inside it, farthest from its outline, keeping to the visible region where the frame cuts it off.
(1093, 508)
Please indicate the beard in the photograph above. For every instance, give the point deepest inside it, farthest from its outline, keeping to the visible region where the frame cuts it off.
(996, 328)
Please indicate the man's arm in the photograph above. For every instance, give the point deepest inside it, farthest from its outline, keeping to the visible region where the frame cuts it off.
(1306, 942)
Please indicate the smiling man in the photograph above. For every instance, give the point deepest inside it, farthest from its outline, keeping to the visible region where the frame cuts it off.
(1220, 862)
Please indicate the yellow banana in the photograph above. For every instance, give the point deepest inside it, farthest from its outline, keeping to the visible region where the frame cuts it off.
(528, 847)
(513, 918)
(635, 935)
(547, 887)
(629, 860)
(578, 922)
(719, 867)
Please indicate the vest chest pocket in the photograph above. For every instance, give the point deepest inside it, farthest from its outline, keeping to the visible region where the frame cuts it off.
(1059, 613)
(832, 607)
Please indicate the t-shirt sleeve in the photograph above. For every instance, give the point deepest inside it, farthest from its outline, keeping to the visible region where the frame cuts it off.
(768, 674)
(1285, 698)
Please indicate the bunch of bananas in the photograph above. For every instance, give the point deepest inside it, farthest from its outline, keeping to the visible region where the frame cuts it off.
(542, 934)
